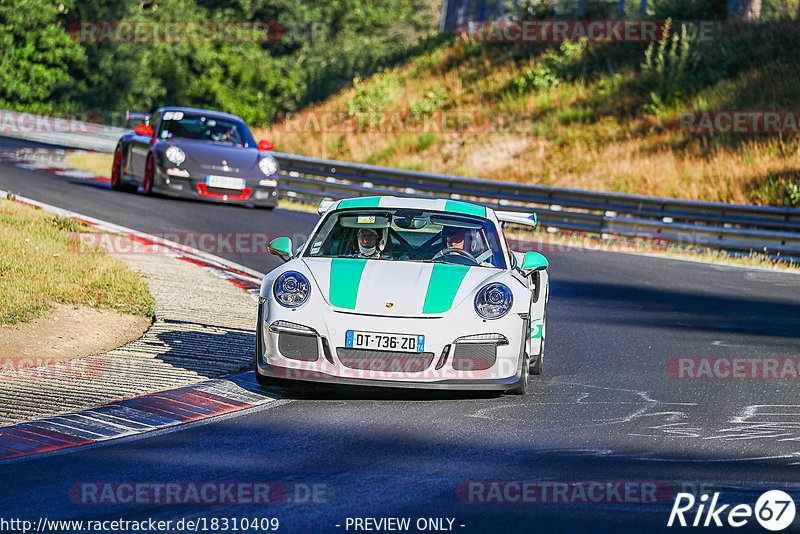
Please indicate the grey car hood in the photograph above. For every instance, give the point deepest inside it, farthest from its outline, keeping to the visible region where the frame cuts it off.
(209, 155)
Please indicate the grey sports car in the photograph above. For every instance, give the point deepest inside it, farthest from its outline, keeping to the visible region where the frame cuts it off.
(196, 153)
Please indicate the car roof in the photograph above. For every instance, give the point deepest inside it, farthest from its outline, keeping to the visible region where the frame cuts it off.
(432, 204)
(208, 112)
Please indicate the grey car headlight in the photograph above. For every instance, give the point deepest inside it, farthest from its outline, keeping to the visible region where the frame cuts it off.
(268, 166)
(493, 301)
(175, 155)
(291, 289)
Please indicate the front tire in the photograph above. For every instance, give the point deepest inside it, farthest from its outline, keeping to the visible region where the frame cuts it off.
(117, 184)
(149, 173)
(116, 170)
(538, 362)
(522, 387)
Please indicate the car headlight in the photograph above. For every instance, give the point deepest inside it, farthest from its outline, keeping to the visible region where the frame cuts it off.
(493, 301)
(291, 289)
(268, 166)
(175, 155)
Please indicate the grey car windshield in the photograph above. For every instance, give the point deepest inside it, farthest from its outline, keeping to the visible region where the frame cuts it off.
(408, 235)
(179, 125)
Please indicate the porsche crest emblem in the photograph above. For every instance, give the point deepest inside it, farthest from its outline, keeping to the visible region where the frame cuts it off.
(389, 304)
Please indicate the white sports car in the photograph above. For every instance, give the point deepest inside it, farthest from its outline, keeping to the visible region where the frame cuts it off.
(404, 292)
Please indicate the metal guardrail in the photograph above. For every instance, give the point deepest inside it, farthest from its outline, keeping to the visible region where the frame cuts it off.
(734, 227)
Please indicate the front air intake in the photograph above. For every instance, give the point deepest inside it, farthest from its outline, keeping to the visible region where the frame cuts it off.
(383, 360)
(474, 356)
(298, 347)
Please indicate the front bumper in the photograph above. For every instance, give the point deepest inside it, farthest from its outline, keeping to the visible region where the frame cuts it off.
(497, 384)
(318, 353)
(194, 187)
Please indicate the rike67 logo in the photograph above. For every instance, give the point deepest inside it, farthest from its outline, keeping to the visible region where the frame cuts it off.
(774, 510)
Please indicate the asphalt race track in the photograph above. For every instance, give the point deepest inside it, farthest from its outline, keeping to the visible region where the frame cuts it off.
(606, 409)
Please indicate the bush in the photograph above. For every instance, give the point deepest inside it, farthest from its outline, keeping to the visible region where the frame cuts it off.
(425, 141)
(370, 97)
(668, 66)
(431, 102)
(568, 63)
(38, 55)
(793, 194)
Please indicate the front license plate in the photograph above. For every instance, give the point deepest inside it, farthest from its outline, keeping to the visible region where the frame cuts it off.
(224, 182)
(379, 341)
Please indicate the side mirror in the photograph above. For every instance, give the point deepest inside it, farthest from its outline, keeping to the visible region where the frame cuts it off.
(532, 262)
(265, 145)
(281, 247)
(144, 129)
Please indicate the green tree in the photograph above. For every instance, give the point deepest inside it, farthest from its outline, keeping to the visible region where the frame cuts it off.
(38, 54)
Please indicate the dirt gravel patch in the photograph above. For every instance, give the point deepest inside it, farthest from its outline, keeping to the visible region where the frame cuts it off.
(67, 332)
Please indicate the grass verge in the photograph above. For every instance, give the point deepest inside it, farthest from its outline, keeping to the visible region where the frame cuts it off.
(98, 163)
(43, 261)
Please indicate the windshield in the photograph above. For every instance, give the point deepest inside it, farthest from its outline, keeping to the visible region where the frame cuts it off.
(408, 235)
(180, 125)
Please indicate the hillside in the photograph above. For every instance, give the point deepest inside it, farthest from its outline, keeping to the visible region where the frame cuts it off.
(583, 115)
(252, 58)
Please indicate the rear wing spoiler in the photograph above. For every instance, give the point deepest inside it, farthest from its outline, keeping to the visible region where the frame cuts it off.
(129, 115)
(515, 217)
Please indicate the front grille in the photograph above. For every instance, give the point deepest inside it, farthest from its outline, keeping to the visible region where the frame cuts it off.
(223, 191)
(474, 356)
(380, 360)
(298, 347)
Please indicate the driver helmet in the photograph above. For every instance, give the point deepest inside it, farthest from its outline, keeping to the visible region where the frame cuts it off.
(459, 238)
(370, 242)
(219, 133)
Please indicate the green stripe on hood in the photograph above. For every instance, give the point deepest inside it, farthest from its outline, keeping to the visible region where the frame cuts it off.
(345, 279)
(443, 286)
